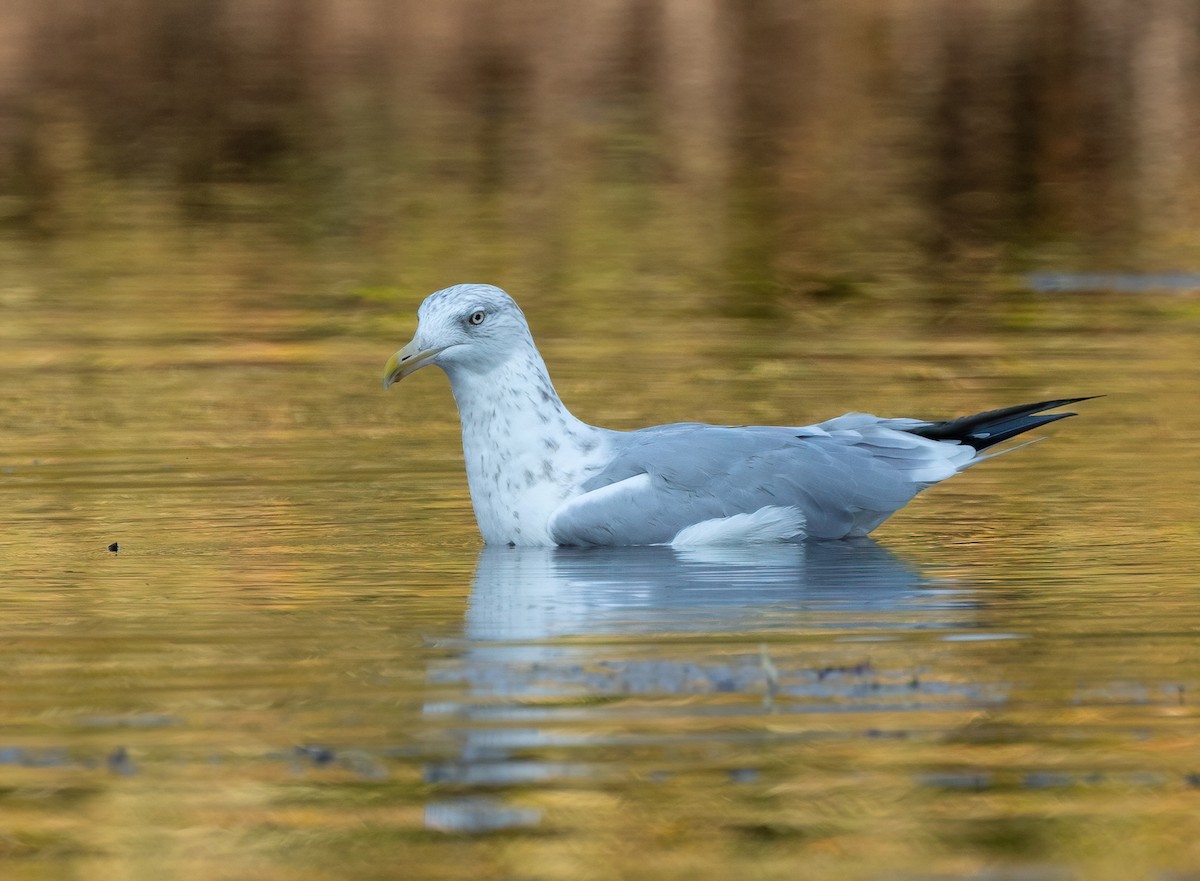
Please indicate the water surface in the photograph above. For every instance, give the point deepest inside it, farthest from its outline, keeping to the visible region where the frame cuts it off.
(301, 664)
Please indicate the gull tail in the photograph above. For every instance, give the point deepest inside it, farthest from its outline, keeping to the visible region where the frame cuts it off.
(985, 430)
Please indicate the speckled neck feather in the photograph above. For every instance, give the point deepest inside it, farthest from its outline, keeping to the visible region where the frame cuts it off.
(525, 453)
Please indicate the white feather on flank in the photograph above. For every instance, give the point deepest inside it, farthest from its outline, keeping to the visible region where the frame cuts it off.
(774, 523)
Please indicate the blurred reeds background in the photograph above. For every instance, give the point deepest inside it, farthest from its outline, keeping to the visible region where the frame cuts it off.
(766, 146)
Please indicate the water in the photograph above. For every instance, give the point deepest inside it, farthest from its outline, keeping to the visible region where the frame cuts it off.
(301, 665)
(216, 221)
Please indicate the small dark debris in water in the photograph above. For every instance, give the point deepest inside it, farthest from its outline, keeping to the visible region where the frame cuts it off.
(1192, 780)
(114, 547)
(440, 774)
(851, 670)
(318, 755)
(914, 683)
(878, 734)
(119, 762)
(743, 775)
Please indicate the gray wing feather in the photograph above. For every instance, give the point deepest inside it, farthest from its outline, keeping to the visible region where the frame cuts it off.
(846, 475)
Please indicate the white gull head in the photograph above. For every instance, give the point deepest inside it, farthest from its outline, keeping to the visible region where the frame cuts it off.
(525, 453)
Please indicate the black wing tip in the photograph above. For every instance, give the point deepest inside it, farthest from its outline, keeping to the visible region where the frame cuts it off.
(992, 427)
(1039, 406)
(1050, 405)
(1023, 410)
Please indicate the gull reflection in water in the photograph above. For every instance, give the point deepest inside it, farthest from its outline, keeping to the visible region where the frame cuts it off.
(555, 639)
(523, 594)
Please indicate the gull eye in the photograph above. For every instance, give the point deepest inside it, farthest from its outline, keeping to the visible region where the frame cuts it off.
(476, 317)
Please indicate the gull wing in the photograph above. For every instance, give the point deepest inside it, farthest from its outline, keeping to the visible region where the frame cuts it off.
(844, 477)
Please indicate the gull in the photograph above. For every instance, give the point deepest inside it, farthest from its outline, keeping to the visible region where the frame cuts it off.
(540, 477)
